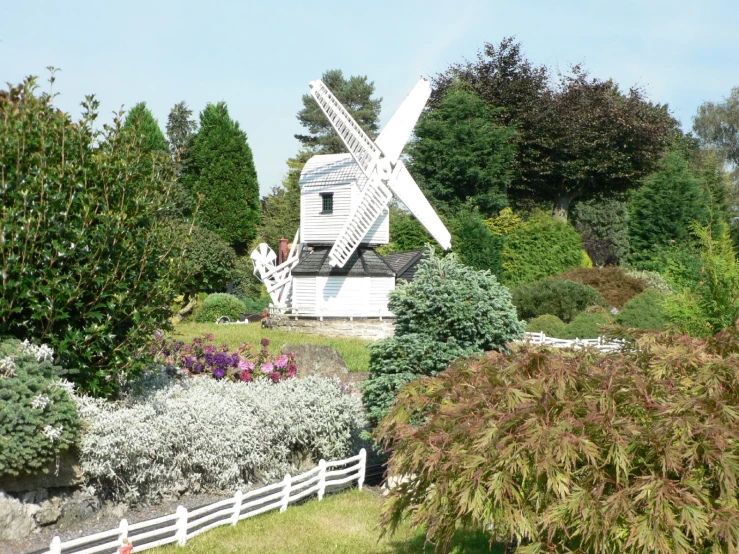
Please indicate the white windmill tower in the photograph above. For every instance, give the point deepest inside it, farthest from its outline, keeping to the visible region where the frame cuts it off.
(344, 214)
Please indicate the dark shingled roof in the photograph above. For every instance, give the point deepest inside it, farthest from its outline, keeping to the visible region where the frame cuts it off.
(364, 262)
(405, 263)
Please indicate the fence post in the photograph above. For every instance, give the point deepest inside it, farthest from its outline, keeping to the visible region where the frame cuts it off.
(362, 467)
(181, 533)
(237, 508)
(56, 546)
(123, 531)
(285, 493)
(321, 478)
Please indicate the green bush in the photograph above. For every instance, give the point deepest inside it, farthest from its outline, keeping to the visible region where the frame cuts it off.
(38, 419)
(616, 287)
(257, 305)
(645, 311)
(586, 325)
(448, 310)
(89, 261)
(541, 247)
(219, 304)
(548, 324)
(560, 297)
(404, 359)
(651, 279)
(475, 245)
(603, 225)
(209, 261)
(574, 451)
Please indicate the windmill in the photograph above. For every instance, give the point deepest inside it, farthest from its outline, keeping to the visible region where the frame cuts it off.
(344, 215)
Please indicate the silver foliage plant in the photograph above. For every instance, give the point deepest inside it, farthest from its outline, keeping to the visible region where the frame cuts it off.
(214, 435)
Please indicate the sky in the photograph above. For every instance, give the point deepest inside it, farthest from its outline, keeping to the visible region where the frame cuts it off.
(258, 57)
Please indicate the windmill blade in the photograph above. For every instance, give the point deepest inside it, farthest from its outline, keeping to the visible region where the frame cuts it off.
(405, 188)
(394, 136)
(373, 200)
(360, 146)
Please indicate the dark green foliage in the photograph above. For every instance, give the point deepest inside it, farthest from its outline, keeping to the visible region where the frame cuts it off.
(645, 311)
(219, 304)
(403, 359)
(560, 297)
(460, 157)
(209, 261)
(578, 136)
(586, 325)
(219, 170)
(448, 310)
(447, 299)
(475, 245)
(88, 259)
(663, 209)
(244, 283)
(541, 247)
(613, 283)
(574, 451)
(406, 232)
(603, 225)
(180, 130)
(355, 94)
(32, 437)
(550, 325)
(281, 208)
(141, 122)
(257, 304)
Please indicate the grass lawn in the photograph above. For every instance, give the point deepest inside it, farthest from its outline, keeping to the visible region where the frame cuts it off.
(354, 351)
(344, 523)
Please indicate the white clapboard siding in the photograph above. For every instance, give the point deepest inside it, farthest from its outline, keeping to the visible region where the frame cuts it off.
(380, 287)
(304, 294)
(379, 233)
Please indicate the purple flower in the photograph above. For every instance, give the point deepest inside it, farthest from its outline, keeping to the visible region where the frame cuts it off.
(246, 364)
(281, 361)
(265, 342)
(177, 345)
(275, 376)
(197, 368)
(267, 368)
(188, 362)
(221, 360)
(219, 372)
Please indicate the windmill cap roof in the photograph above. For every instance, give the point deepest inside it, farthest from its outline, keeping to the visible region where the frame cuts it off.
(331, 169)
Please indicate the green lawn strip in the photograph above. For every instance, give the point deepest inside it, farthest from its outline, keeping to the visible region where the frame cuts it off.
(354, 351)
(345, 523)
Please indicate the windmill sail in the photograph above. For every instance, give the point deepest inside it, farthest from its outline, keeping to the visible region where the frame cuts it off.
(396, 133)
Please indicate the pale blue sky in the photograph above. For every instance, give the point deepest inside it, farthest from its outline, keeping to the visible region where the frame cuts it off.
(259, 56)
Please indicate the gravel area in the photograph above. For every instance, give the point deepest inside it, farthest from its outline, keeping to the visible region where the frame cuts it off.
(107, 518)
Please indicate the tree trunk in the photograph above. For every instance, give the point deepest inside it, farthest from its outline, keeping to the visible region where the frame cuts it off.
(561, 207)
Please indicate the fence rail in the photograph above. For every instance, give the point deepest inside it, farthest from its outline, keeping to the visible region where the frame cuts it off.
(601, 343)
(183, 525)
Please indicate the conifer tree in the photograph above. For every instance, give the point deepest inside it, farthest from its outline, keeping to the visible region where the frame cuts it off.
(140, 120)
(219, 171)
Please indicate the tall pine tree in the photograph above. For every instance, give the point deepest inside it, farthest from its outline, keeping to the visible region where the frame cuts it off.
(219, 172)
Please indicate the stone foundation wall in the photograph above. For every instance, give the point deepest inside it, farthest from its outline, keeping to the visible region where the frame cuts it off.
(370, 329)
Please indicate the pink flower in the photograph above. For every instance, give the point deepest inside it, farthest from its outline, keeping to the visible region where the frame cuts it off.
(246, 365)
(265, 342)
(246, 376)
(281, 361)
(275, 376)
(267, 368)
(208, 349)
(210, 336)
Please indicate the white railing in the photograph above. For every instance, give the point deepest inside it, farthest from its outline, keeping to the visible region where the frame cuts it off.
(184, 525)
(601, 343)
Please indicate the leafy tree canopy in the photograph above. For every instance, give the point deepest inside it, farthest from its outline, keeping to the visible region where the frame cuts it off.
(578, 136)
(180, 129)
(717, 124)
(461, 156)
(219, 170)
(355, 94)
(142, 122)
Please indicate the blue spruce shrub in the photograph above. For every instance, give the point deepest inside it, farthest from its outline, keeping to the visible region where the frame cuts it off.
(448, 311)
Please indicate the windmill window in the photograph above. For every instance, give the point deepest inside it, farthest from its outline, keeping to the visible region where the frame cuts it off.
(327, 203)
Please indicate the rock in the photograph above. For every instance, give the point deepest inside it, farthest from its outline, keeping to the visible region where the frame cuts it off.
(313, 359)
(16, 518)
(67, 474)
(80, 507)
(49, 514)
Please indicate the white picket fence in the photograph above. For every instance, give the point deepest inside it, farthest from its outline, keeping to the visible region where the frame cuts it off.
(601, 343)
(184, 525)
